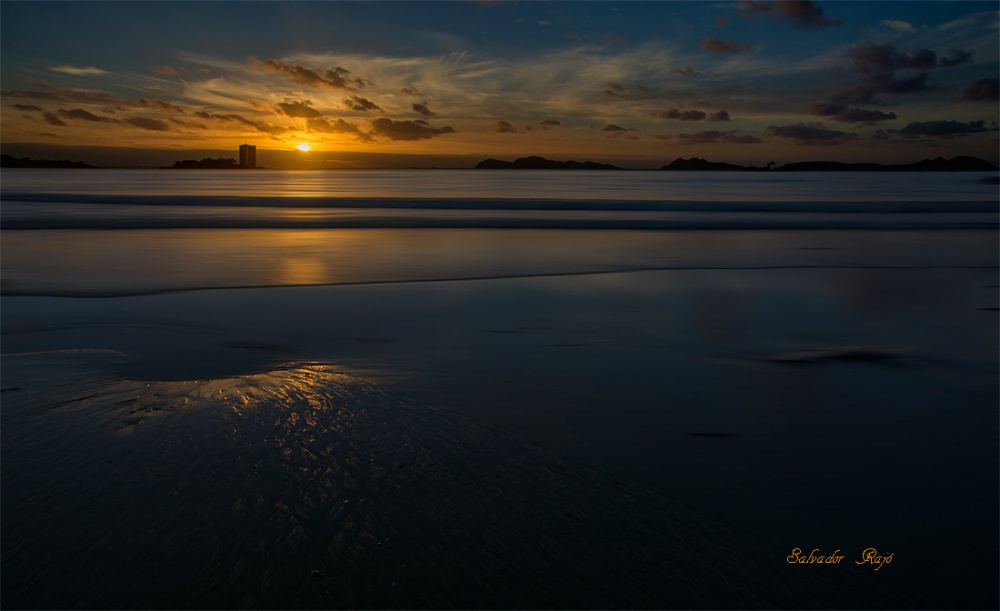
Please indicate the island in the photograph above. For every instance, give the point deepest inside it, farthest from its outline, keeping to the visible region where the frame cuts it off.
(541, 163)
(9, 161)
(940, 164)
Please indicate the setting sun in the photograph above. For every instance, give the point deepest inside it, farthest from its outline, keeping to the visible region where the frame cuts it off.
(303, 147)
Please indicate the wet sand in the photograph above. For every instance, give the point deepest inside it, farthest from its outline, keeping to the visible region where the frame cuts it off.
(641, 440)
(305, 487)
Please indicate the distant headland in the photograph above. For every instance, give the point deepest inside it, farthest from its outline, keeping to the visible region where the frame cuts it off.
(940, 164)
(9, 161)
(956, 164)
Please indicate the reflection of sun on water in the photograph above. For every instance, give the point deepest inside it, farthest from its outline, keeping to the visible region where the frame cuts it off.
(296, 271)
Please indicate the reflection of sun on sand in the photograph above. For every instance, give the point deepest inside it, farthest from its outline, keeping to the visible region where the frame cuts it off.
(306, 487)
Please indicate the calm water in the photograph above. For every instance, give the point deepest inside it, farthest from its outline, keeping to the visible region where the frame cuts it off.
(524, 389)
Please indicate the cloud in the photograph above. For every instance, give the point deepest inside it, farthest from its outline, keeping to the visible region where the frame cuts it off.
(811, 134)
(74, 71)
(870, 57)
(266, 128)
(613, 128)
(549, 123)
(503, 127)
(151, 124)
(166, 70)
(876, 64)
(987, 89)
(724, 47)
(690, 115)
(83, 115)
(880, 134)
(161, 105)
(422, 109)
(688, 72)
(409, 91)
(710, 136)
(335, 78)
(51, 119)
(299, 110)
(802, 13)
(679, 115)
(944, 129)
(27, 107)
(615, 87)
(338, 126)
(846, 114)
(615, 39)
(897, 24)
(64, 95)
(361, 104)
(406, 130)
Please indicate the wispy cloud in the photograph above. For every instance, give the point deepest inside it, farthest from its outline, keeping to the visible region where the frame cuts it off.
(76, 71)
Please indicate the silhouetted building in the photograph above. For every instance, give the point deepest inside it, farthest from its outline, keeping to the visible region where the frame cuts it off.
(248, 156)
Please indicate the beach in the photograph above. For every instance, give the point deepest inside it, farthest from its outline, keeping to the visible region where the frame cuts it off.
(648, 402)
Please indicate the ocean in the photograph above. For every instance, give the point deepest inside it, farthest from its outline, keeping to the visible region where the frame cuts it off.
(498, 389)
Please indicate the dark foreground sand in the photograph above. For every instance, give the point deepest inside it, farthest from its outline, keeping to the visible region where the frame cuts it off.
(308, 488)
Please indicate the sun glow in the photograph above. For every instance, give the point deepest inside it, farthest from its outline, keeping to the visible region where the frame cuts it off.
(303, 147)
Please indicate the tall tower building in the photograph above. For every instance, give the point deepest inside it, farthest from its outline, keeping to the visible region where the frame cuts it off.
(248, 156)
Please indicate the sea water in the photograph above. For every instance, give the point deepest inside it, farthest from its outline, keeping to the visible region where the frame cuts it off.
(808, 360)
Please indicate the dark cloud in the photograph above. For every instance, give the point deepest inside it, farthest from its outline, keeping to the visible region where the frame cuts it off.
(421, 122)
(503, 127)
(615, 39)
(724, 47)
(27, 107)
(151, 124)
(167, 70)
(613, 128)
(338, 126)
(361, 104)
(876, 66)
(266, 128)
(298, 110)
(62, 95)
(336, 78)
(615, 87)
(409, 91)
(679, 115)
(986, 89)
(810, 134)
(870, 57)
(846, 114)
(161, 105)
(422, 109)
(802, 13)
(51, 119)
(944, 129)
(548, 123)
(688, 71)
(83, 115)
(719, 115)
(710, 136)
(406, 130)
(880, 134)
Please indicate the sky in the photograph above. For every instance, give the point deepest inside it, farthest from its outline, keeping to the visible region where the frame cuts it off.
(445, 84)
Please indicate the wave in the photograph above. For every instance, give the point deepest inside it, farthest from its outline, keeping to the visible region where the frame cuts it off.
(506, 204)
(27, 211)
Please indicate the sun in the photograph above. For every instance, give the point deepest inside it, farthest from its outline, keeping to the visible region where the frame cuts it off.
(303, 147)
